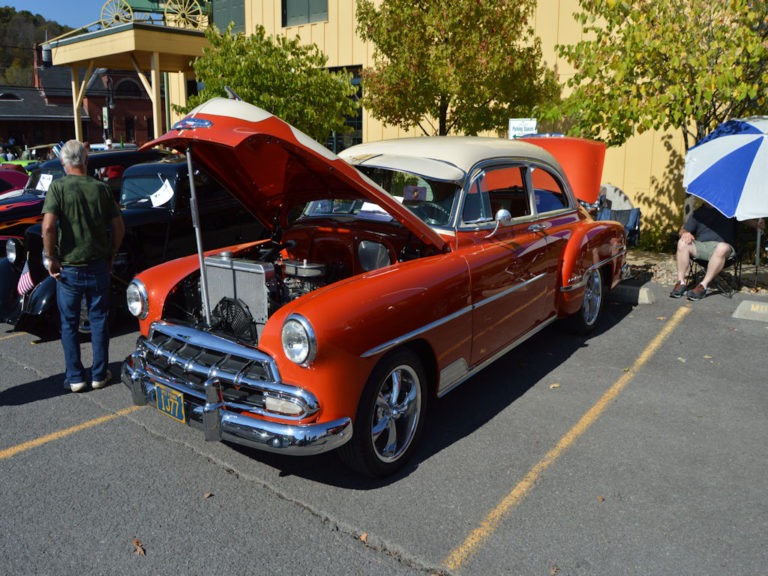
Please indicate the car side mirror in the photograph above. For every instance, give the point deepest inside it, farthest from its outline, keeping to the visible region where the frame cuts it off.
(502, 218)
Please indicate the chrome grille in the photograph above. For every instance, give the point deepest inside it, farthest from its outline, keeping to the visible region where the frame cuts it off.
(189, 357)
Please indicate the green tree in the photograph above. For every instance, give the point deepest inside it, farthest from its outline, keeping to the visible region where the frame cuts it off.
(666, 64)
(279, 75)
(460, 66)
(20, 32)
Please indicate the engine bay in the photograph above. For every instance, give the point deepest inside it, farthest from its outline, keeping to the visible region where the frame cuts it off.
(244, 289)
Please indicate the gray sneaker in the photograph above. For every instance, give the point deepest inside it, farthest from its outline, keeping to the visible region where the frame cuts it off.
(77, 386)
(678, 290)
(96, 384)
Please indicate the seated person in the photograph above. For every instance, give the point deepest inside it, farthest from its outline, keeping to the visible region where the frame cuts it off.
(707, 235)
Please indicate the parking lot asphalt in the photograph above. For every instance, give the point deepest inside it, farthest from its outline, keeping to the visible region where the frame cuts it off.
(638, 450)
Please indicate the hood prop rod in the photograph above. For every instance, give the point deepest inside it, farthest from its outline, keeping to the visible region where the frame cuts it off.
(198, 239)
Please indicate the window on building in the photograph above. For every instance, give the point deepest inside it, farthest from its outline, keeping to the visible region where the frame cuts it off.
(297, 12)
(128, 88)
(226, 11)
(130, 129)
(338, 142)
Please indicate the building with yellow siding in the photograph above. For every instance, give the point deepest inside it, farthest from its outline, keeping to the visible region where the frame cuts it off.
(648, 168)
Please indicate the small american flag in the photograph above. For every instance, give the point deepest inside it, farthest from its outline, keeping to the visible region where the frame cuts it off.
(25, 282)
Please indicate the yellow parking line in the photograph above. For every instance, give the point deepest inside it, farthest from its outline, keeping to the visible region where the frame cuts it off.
(13, 335)
(13, 450)
(488, 526)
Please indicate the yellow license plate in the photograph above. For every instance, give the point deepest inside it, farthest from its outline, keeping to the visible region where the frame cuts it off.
(170, 402)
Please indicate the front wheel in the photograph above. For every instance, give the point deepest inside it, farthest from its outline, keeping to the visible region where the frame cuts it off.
(390, 416)
(588, 316)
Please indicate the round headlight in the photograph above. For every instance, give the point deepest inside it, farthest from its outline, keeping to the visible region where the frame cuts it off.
(299, 344)
(136, 297)
(12, 250)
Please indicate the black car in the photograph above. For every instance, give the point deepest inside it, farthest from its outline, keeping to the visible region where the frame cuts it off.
(155, 202)
(18, 212)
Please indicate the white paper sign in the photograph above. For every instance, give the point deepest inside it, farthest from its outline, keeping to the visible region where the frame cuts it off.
(521, 126)
(163, 194)
(44, 182)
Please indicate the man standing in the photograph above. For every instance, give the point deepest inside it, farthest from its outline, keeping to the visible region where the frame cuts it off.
(82, 231)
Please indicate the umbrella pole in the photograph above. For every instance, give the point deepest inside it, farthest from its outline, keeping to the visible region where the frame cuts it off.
(757, 253)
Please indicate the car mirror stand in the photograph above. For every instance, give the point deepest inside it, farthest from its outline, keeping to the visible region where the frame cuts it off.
(503, 218)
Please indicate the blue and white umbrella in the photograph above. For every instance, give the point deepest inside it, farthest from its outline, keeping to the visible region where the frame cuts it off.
(729, 168)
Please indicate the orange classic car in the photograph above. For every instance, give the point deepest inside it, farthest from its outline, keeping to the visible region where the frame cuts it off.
(387, 277)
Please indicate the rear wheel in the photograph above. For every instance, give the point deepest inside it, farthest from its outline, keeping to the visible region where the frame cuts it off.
(390, 416)
(588, 316)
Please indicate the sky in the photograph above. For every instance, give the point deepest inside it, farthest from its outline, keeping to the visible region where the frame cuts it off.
(74, 13)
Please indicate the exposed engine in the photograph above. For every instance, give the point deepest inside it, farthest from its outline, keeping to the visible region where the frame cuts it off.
(243, 294)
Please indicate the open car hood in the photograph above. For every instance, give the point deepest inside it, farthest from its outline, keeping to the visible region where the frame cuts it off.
(272, 167)
(581, 159)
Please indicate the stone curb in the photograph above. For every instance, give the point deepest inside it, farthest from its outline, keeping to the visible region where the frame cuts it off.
(631, 292)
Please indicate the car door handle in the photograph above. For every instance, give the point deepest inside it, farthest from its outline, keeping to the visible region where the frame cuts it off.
(538, 227)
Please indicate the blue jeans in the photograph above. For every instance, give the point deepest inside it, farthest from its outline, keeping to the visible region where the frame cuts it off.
(92, 283)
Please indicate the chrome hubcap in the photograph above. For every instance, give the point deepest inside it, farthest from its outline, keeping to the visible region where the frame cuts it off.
(396, 415)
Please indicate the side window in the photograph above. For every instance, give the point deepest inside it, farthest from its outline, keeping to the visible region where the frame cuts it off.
(497, 188)
(547, 191)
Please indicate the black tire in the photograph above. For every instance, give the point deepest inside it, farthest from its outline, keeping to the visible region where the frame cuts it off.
(387, 428)
(588, 316)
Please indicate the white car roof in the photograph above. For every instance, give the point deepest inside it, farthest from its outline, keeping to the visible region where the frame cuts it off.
(444, 157)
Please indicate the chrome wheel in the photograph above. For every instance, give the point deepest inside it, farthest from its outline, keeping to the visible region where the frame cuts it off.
(593, 298)
(390, 416)
(397, 412)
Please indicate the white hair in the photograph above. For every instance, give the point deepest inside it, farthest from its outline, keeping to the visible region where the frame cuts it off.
(73, 153)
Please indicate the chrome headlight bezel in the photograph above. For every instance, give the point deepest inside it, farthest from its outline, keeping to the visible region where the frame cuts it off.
(299, 340)
(137, 299)
(14, 251)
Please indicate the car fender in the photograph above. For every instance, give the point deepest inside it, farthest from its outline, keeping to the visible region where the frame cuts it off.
(594, 244)
(42, 298)
(357, 321)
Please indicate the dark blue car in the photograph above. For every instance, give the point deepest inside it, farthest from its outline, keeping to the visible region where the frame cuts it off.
(155, 202)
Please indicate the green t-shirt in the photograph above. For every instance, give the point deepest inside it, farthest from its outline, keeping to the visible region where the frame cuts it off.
(84, 207)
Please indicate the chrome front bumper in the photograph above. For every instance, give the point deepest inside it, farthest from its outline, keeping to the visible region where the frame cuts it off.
(220, 424)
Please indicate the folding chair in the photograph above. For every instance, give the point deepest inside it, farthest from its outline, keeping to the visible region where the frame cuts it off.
(698, 267)
(629, 218)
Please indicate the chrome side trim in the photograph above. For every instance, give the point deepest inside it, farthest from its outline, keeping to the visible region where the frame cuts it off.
(427, 327)
(583, 282)
(508, 291)
(410, 335)
(444, 388)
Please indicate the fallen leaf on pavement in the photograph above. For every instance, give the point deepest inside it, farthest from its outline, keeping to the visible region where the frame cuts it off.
(138, 547)
(555, 385)
(364, 537)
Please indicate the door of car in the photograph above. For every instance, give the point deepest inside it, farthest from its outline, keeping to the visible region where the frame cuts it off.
(513, 268)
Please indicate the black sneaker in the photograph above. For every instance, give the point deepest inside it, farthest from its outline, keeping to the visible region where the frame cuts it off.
(678, 291)
(698, 293)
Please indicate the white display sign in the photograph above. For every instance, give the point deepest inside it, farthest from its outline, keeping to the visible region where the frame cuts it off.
(163, 194)
(522, 126)
(44, 182)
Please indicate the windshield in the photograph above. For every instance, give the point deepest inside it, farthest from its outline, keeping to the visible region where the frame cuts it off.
(40, 179)
(432, 201)
(341, 207)
(147, 190)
